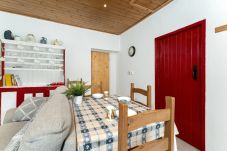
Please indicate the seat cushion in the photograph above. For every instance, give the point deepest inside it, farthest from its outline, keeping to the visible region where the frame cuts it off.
(7, 131)
(50, 127)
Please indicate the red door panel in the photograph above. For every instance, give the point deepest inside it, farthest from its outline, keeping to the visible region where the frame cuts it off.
(180, 72)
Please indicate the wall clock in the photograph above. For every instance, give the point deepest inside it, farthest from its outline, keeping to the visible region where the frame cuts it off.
(131, 51)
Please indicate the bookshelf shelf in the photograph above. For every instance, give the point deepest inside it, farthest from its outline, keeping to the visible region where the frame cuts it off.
(34, 58)
(29, 69)
(34, 52)
(32, 63)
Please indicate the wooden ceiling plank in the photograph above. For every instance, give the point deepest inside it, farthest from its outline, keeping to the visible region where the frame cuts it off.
(118, 9)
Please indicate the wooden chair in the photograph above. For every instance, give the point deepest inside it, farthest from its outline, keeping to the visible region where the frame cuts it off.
(127, 124)
(97, 85)
(69, 83)
(146, 93)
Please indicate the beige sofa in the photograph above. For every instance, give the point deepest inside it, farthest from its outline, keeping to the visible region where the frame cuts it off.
(9, 129)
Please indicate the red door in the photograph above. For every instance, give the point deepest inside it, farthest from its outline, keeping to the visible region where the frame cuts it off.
(180, 72)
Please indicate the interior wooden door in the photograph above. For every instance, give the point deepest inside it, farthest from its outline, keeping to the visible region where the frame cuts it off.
(180, 72)
(99, 70)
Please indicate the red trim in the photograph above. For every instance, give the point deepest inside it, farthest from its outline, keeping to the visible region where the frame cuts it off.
(64, 67)
(2, 81)
(3, 62)
(203, 82)
(27, 89)
(21, 91)
(203, 72)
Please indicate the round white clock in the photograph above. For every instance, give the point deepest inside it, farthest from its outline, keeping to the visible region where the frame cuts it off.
(131, 51)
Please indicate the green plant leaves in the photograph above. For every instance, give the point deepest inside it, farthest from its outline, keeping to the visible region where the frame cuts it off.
(77, 89)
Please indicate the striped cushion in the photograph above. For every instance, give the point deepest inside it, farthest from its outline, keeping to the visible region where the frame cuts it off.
(28, 108)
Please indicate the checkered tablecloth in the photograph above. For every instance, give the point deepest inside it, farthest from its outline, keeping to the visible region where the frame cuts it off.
(95, 132)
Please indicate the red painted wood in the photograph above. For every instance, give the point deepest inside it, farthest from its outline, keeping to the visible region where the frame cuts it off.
(2, 62)
(175, 55)
(64, 67)
(1, 81)
(21, 91)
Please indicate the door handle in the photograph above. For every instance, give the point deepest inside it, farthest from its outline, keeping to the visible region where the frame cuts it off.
(195, 72)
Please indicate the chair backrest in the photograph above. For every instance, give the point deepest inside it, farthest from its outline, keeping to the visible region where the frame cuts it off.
(69, 83)
(95, 86)
(127, 124)
(146, 93)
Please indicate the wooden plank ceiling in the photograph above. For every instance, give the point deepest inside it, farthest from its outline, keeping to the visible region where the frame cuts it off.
(117, 17)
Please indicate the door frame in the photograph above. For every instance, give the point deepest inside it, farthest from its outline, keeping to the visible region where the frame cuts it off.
(202, 24)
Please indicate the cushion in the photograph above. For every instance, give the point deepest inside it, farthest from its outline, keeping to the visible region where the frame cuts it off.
(28, 108)
(7, 131)
(50, 127)
(14, 143)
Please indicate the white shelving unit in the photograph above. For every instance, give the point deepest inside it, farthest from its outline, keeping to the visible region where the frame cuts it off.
(33, 62)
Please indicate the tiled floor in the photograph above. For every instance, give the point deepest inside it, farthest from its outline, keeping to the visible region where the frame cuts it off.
(183, 146)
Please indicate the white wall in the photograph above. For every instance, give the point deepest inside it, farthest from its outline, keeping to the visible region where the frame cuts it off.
(113, 73)
(77, 41)
(176, 15)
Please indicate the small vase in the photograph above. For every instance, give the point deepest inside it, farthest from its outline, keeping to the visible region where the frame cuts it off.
(78, 99)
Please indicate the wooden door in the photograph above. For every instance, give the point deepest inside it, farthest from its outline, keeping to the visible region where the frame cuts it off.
(180, 72)
(99, 71)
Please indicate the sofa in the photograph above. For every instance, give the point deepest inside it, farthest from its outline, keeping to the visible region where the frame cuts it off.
(57, 117)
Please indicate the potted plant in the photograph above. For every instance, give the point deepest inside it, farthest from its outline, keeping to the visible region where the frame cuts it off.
(76, 91)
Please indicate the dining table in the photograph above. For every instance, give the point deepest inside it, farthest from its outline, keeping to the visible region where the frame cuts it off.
(96, 132)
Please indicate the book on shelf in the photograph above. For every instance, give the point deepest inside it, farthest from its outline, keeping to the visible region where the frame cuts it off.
(17, 80)
(8, 80)
(12, 80)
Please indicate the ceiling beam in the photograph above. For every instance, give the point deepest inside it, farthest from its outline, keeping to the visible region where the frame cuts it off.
(221, 28)
(132, 2)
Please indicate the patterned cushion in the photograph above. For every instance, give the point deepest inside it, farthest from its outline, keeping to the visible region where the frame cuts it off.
(15, 142)
(28, 108)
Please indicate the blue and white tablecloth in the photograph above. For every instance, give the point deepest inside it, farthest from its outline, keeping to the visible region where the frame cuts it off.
(95, 132)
